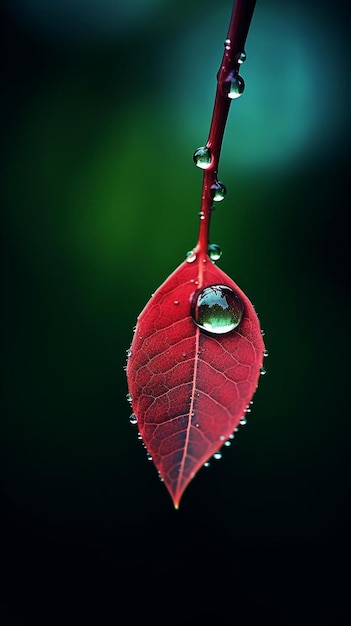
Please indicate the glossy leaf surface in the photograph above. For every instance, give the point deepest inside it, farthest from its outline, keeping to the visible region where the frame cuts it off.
(189, 388)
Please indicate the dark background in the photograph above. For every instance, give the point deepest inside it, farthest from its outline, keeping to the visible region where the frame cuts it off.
(103, 105)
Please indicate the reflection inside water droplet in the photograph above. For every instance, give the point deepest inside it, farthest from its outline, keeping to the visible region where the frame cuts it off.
(217, 309)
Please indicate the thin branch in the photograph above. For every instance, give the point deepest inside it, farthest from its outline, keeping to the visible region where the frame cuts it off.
(229, 86)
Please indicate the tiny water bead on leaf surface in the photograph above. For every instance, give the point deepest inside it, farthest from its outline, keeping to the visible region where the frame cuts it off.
(214, 252)
(217, 309)
(218, 191)
(133, 418)
(202, 158)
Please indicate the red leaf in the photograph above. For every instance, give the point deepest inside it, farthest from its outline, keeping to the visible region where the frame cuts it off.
(189, 388)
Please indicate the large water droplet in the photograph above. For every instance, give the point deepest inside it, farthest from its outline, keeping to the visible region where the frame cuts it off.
(214, 252)
(217, 309)
(218, 191)
(202, 157)
(234, 86)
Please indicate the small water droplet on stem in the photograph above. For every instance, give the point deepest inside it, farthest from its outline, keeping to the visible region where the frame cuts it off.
(218, 191)
(234, 86)
(202, 158)
(214, 252)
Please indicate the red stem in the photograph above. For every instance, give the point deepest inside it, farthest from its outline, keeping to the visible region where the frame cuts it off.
(235, 44)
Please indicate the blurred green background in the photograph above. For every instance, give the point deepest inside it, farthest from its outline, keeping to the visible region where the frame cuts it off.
(103, 105)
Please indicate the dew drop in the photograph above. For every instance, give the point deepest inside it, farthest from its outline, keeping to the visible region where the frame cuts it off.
(202, 158)
(214, 252)
(190, 257)
(129, 398)
(129, 353)
(217, 456)
(202, 215)
(234, 86)
(148, 456)
(265, 352)
(243, 421)
(227, 44)
(207, 464)
(176, 302)
(227, 443)
(133, 418)
(217, 309)
(241, 57)
(218, 191)
(263, 333)
(262, 371)
(222, 437)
